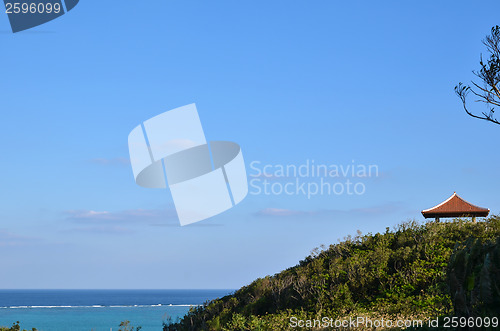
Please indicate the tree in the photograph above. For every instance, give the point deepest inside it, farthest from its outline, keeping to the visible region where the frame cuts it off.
(488, 90)
(15, 327)
(125, 326)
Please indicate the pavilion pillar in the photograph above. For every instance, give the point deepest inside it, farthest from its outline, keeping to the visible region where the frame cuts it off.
(473, 219)
(437, 219)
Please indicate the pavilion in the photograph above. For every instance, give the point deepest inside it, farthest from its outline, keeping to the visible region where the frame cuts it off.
(455, 206)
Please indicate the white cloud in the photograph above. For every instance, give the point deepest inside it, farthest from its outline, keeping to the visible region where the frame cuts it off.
(89, 214)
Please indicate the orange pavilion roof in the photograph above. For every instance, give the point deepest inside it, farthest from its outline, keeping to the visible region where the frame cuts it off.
(455, 206)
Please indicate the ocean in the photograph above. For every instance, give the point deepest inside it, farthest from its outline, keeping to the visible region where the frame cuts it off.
(98, 310)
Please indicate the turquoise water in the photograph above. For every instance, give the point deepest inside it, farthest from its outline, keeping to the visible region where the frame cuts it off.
(86, 318)
(80, 310)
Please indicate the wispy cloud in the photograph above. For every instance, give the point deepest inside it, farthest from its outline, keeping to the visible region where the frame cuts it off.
(382, 209)
(125, 216)
(378, 210)
(122, 222)
(89, 214)
(197, 224)
(103, 229)
(8, 238)
(119, 222)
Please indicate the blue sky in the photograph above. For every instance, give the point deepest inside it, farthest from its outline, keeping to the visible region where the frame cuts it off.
(289, 81)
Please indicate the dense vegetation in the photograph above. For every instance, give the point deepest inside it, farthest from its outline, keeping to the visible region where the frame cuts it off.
(14, 327)
(416, 271)
(474, 278)
(124, 326)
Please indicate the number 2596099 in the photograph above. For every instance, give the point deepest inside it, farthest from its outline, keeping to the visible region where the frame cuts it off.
(32, 8)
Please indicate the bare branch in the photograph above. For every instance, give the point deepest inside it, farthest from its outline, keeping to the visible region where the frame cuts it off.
(489, 74)
(462, 90)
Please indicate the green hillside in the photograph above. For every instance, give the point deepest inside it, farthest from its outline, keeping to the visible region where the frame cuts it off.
(416, 271)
